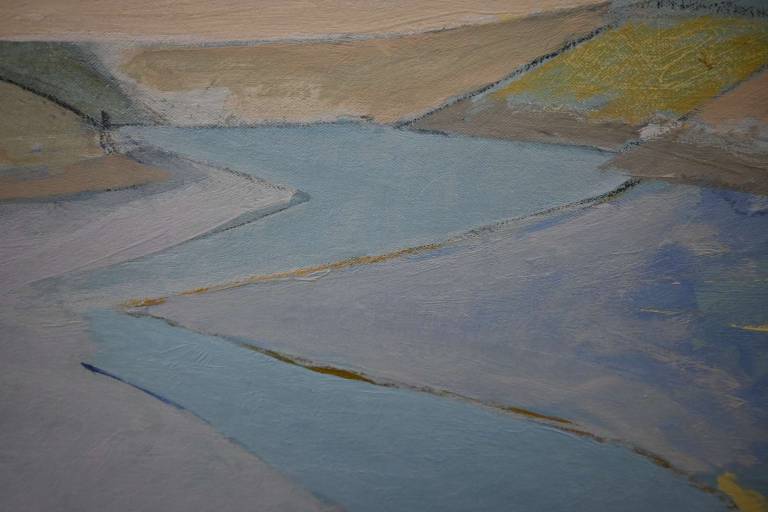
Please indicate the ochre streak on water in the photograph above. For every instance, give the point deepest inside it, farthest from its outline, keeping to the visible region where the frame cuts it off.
(326, 370)
(752, 328)
(746, 500)
(561, 424)
(368, 260)
(302, 272)
(352, 375)
(143, 303)
(358, 376)
(338, 372)
(531, 414)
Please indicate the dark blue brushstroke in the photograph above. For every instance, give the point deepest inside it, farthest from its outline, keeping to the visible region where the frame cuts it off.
(378, 449)
(99, 371)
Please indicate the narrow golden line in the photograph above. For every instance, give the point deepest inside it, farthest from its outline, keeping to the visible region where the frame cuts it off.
(369, 260)
(751, 328)
(295, 361)
(308, 271)
(301, 272)
(532, 414)
(143, 303)
(561, 424)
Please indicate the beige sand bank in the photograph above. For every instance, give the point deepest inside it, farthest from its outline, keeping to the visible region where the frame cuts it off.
(673, 159)
(469, 118)
(230, 20)
(748, 101)
(47, 150)
(736, 121)
(724, 144)
(385, 79)
(46, 239)
(74, 440)
(109, 172)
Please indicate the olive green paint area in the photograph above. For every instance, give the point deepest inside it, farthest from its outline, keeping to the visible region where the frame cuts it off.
(71, 75)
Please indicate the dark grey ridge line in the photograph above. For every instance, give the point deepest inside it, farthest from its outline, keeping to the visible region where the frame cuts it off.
(103, 125)
(57, 101)
(405, 123)
(717, 7)
(345, 37)
(441, 133)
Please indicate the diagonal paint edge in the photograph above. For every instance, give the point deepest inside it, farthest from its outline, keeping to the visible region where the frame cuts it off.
(567, 426)
(380, 258)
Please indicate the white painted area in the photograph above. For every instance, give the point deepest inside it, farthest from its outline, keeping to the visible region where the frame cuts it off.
(655, 130)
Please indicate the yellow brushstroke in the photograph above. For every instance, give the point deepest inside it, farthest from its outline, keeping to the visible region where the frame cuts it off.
(341, 373)
(746, 500)
(143, 303)
(343, 264)
(308, 271)
(325, 370)
(301, 272)
(752, 328)
(646, 67)
(358, 376)
(536, 415)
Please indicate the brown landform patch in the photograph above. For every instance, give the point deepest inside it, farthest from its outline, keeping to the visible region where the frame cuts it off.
(382, 79)
(534, 126)
(671, 159)
(109, 172)
(724, 143)
(241, 20)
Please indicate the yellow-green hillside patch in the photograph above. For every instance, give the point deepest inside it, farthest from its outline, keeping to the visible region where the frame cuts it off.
(49, 151)
(644, 67)
(37, 132)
